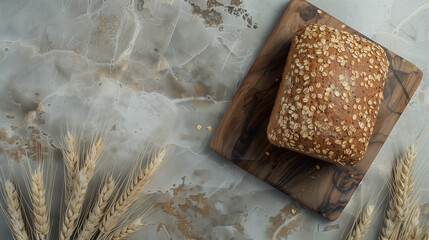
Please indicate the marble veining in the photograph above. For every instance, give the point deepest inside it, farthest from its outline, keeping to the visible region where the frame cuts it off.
(143, 67)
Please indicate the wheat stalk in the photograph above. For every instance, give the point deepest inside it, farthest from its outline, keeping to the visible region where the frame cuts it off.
(14, 209)
(362, 225)
(124, 232)
(389, 223)
(93, 221)
(78, 177)
(71, 161)
(41, 222)
(79, 188)
(411, 229)
(427, 233)
(130, 194)
(402, 183)
(415, 232)
(92, 156)
(74, 207)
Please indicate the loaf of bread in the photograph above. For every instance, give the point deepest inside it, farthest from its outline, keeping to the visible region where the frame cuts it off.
(330, 94)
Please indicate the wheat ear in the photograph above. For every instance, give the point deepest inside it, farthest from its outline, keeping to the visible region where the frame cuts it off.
(93, 221)
(362, 225)
(74, 207)
(130, 194)
(401, 191)
(389, 223)
(79, 188)
(402, 183)
(41, 222)
(71, 161)
(427, 234)
(124, 232)
(411, 229)
(92, 156)
(14, 209)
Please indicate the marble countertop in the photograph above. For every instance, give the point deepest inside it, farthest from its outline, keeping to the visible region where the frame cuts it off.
(147, 67)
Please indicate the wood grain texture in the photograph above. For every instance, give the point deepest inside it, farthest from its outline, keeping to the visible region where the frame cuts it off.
(241, 135)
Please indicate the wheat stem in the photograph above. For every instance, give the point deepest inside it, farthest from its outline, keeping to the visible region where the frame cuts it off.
(124, 232)
(362, 225)
(427, 233)
(71, 161)
(79, 188)
(41, 222)
(93, 221)
(398, 208)
(411, 229)
(92, 156)
(14, 209)
(74, 207)
(130, 194)
(402, 183)
(389, 223)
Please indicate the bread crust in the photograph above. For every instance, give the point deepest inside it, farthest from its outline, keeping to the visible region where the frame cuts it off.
(330, 94)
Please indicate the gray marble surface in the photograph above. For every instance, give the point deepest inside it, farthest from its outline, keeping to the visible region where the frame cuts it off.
(142, 68)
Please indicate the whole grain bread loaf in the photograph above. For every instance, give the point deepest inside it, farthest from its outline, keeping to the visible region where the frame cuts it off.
(330, 94)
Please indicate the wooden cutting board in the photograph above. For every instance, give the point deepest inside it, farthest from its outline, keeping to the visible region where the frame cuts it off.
(241, 135)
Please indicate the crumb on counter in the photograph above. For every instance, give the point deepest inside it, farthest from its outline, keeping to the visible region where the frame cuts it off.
(209, 128)
(198, 126)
